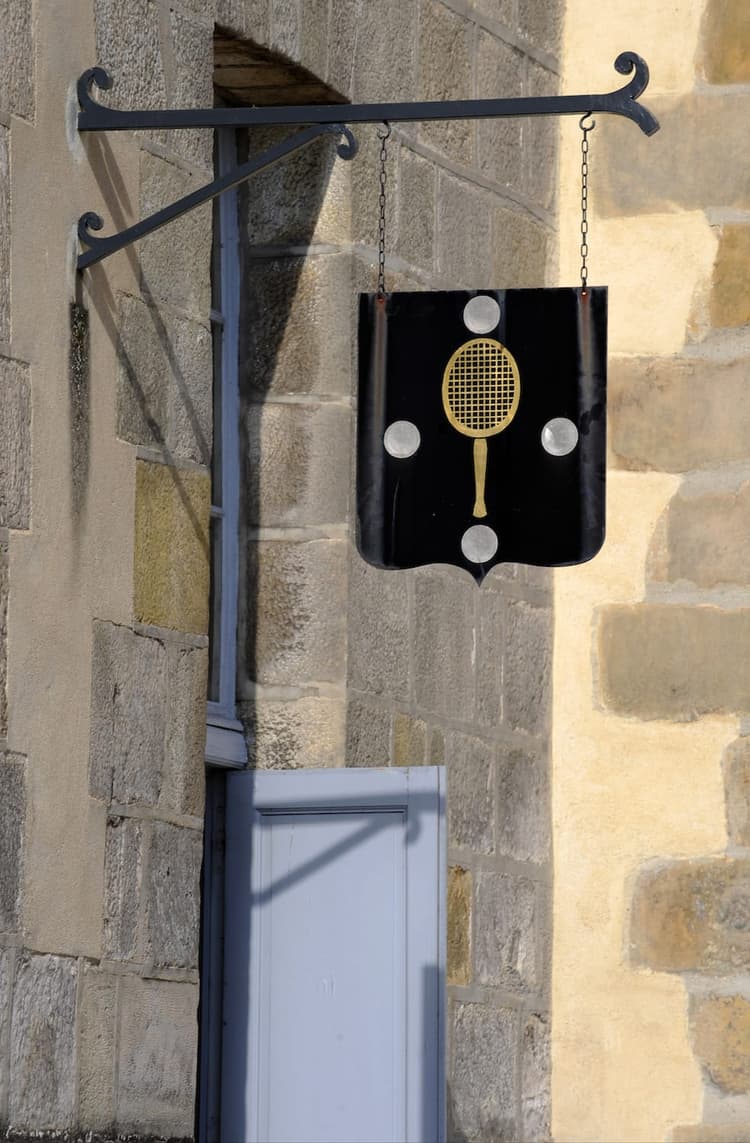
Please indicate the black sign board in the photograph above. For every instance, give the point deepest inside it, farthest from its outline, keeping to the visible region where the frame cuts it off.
(482, 427)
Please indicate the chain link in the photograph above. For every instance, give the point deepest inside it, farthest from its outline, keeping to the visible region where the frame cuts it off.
(585, 196)
(383, 134)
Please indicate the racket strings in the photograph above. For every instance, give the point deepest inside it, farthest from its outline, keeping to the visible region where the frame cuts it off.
(481, 386)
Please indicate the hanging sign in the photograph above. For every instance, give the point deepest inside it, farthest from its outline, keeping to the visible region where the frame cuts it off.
(482, 427)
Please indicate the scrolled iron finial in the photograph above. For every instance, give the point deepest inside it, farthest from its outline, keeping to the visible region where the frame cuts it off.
(86, 223)
(348, 146)
(95, 76)
(627, 96)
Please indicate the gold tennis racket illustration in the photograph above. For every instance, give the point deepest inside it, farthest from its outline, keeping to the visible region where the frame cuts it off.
(481, 391)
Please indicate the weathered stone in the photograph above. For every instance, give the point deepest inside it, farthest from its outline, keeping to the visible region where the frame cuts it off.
(539, 141)
(96, 1049)
(730, 293)
(15, 445)
(43, 1043)
(445, 73)
(285, 30)
(519, 247)
(726, 35)
(171, 565)
(500, 70)
(246, 18)
(712, 1133)
(296, 626)
(721, 1040)
(164, 399)
(173, 920)
(736, 768)
(523, 813)
(691, 661)
(298, 460)
(444, 645)
(314, 36)
(693, 916)
(535, 1078)
(385, 51)
(342, 36)
(7, 958)
(128, 47)
(464, 245)
(541, 24)
(527, 666)
(17, 60)
(12, 823)
(193, 83)
(368, 733)
(123, 877)
(706, 539)
(183, 778)
(470, 801)
(175, 260)
(3, 640)
(500, 11)
(459, 925)
(691, 166)
(409, 740)
(307, 732)
(416, 210)
(378, 659)
(4, 233)
(297, 336)
(158, 1040)
(490, 640)
(436, 748)
(483, 1082)
(505, 929)
(128, 715)
(705, 403)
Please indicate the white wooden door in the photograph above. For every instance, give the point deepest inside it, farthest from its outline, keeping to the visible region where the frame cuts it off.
(334, 957)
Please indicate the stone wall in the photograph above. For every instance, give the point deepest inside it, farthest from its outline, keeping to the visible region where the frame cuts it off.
(651, 679)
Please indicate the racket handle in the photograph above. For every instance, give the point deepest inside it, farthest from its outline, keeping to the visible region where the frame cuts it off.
(480, 472)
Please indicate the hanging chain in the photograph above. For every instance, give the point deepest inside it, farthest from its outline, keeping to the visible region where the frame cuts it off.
(383, 134)
(585, 196)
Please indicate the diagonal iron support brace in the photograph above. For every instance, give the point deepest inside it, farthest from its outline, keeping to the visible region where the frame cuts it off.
(322, 119)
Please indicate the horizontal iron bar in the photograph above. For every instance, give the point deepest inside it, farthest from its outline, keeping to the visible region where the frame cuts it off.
(100, 248)
(96, 117)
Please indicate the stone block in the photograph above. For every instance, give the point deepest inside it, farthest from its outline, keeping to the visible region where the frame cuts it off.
(296, 626)
(192, 86)
(436, 748)
(175, 260)
(285, 27)
(705, 403)
(736, 769)
(690, 661)
(43, 1044)
(705, 539)
(171, 565)
(128, 715)
(444, 644)
(726, 36)
(183, 781)
(527, 666)
(173, 908)
(464, 233)
(384, 65)
(298, 459)
(245, 18)
(691, 165)
(164, 385)
(409, 740)
(490, 641)
(7, 959)
(483, 1089)
(297, 334)
(693, 916)
(15, 445)
(506, 932)
(539, 141)
(342, 36)
(157, 1042)
(416, 210)
(307, 732)
(123, 889)
(17, 60)
(4, 233)
(721, 1040)
(368, 734)
(96, 1049)
(541, 24)
(499, 11)
(446, 43)
(536, 1068)
(314, 36)
(12, 826)
(379, 630)
(470, 799)
(712, 1133)
(3, 640)
(730, 290)
(523, 806)
(519, 249)
(500, 70)
(128, 46)
(459, 925)
(365, 192)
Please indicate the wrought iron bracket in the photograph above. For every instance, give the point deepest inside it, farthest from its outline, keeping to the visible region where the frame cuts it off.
(321, 119)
